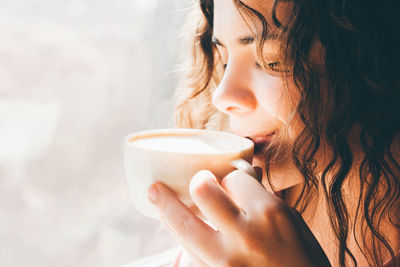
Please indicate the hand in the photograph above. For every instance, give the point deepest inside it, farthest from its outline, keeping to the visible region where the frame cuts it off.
(184, 259)
(255, 228)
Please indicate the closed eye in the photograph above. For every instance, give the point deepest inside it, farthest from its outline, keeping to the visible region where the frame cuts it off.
(276, 66)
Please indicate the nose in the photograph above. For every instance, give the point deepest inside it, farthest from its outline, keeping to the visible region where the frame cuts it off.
(234, 94)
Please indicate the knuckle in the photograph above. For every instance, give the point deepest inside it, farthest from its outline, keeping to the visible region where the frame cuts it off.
(163, 205)
(273, 215)
(184, 226)
(272, 210)
(200, 186)
(235, 174)
(269, 211)
(232, 176)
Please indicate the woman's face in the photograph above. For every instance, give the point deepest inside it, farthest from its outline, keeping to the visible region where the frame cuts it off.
(256, 101)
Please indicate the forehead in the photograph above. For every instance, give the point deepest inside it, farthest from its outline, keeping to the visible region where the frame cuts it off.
(227, 15)
(265, 7)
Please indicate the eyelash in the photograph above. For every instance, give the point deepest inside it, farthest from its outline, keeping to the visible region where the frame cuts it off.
(258, 66)
(271, 65)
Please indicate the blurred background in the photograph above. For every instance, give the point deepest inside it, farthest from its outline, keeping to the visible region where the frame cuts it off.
(75, 78)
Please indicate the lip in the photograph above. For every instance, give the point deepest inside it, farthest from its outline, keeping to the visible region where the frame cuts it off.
(260, 142)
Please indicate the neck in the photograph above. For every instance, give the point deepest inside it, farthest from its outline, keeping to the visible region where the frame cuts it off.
(318, 218)
(318, 215)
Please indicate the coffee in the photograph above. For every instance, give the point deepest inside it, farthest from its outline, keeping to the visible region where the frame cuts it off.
(174, 156)
(195, 143)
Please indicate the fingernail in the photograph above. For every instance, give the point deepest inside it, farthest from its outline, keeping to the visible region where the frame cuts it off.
(152, 193)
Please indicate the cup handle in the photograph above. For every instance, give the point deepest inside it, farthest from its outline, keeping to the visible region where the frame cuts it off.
(243, 165)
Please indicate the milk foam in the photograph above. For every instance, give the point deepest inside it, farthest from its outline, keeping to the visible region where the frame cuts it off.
(186, 144)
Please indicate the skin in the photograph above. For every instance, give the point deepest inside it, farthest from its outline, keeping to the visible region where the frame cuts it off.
(256, 102)
(255, 226)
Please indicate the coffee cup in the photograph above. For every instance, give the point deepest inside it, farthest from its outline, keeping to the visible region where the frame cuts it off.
(174, 156)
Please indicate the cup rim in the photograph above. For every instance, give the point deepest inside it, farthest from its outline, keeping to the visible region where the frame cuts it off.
(247, 143)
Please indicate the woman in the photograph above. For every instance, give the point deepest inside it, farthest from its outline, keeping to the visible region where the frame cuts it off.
(315, 85)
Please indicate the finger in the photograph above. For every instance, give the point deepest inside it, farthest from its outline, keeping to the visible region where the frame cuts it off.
(186, 259)
(246, 191)
(185, 256)
(213, 201)
(190, 230)
(189, 259)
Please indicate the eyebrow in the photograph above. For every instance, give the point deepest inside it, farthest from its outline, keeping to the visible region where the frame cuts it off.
(244, 40)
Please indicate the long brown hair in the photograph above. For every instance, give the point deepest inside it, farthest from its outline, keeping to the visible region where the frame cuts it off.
(360, 84)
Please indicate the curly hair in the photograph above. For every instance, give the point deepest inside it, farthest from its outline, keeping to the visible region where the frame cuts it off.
(355, 82)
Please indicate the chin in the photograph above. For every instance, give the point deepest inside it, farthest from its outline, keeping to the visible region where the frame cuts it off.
(284, 174)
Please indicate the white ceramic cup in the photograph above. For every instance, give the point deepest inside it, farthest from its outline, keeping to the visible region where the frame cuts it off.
(149, 156)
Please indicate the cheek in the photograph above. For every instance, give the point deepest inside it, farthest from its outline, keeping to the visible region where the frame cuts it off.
(274, 98)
